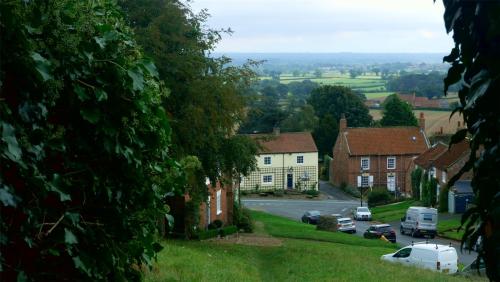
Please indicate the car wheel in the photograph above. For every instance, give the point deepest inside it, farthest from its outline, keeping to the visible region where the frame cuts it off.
(432, 236)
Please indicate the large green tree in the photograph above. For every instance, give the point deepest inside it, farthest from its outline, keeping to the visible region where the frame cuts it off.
(84, 159)
(397, 113)
(475, 64)
(206, 101)
(329, 103)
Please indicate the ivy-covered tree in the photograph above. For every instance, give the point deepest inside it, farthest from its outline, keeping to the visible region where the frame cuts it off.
(475, 64)
(396, 112)
(84, 159)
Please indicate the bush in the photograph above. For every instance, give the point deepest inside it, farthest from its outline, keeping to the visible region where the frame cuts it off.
(443, 199)
(311, 192)
(349, 190)
(377, 198)
(327, 223)
(279, 193)
(242, 218)
(216, 224)
(416, 178)
(228, 230)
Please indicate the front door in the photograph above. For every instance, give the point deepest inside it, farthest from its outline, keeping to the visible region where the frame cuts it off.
(289, 181)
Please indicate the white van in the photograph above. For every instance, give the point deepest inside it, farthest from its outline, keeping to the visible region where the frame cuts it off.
(419, 221)
(436, 257)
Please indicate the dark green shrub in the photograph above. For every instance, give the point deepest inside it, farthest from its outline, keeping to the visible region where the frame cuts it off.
(279, 193)
(443, 199)
(327, 223)
(242, 218)
(416, 178)
(207, 234)
(377, 198)
(311, 192)
(228, 230)
(216, 224)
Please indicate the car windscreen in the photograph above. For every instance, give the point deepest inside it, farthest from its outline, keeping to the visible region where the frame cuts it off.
(363, 210)
(345, 221)
(384, 229)
(430, 217)
(314, 213)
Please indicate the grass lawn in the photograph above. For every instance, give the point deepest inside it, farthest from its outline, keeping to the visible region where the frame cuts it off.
(337, 257)
(448, 228)
(392, 212)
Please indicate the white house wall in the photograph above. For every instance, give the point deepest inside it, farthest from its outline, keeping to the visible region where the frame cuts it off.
(304, 176)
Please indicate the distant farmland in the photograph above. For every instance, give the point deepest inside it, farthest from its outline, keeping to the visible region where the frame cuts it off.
(434, 120)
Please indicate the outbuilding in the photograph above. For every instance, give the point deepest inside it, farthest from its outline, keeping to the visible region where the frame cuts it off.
(459, 196)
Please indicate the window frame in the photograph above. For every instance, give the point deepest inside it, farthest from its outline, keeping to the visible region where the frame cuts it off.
(394, 165)
(367, 159)
(367, 177)
(219, 201)
(297, 159)
(265, 182)
(270, 160)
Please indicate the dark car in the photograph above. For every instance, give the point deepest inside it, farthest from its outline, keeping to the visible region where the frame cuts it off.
(376, 231)
(311, 217)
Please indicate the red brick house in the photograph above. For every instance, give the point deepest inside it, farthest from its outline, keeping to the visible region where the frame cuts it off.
(377, 156)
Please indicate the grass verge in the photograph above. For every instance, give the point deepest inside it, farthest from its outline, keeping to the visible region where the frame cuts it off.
(336, 257)
(448, 228)
(392, 212)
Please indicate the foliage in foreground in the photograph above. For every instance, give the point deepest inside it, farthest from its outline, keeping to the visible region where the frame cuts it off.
(475, 62)
(83, 151)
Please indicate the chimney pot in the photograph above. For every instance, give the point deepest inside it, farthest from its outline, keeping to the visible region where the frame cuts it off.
(342, 122)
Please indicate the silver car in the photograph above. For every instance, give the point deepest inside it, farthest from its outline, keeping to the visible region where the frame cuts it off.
(345, 224)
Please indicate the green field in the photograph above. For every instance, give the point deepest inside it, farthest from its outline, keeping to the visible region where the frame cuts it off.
(392, 212)
(434, 120)
(448, 228)
(317, 256)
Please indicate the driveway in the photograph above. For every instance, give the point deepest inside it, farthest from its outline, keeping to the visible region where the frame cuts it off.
(334, 193)
(294, 209)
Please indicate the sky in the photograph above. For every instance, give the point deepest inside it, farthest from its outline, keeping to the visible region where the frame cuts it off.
(328, 26)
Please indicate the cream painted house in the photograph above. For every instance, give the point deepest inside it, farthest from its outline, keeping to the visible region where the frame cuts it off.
(286, 161)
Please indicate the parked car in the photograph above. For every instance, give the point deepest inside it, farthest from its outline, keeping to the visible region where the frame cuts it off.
(477, 267)
(419, 221)
(376, 231)
(345, 224)
(362, 213)
(436, 257)
(311, 217)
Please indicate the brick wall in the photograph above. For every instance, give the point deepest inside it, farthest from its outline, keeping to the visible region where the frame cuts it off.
(226, 202)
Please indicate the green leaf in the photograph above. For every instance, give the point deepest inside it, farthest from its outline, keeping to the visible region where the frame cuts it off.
(69, 237)
(101, 95)
(12, 151)
(101, 41)
(7, 198)
(458, 136)
(80, 265)
(150, 67)
(137, 78)
(42, 65)
(81, 93)
(21, 277)
(91, 115)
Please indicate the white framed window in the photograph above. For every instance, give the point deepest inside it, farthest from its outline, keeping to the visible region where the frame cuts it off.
(267, 179)
(432, 172)
(365, 163)
(391, 162)
(300, 159)
(391, 182)
(267, 160)
(443, 176)
(219, 207)
(365, 181)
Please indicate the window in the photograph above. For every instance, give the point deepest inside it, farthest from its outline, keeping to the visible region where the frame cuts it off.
(300, 159)
(267, 160)
(267, 179)
(443, 177)
(391, 162)
(219, 208)
(391, 182)
(365, 181)
(365, 163)
(404, 253)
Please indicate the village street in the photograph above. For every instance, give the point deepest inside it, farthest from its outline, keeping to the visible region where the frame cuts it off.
(341, 203)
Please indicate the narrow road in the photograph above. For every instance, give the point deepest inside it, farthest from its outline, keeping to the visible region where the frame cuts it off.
(334, 193)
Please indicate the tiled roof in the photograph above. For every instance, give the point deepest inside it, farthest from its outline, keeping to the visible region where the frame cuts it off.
(451, 156)
(290, 142)
(426, 158)
(385, 140)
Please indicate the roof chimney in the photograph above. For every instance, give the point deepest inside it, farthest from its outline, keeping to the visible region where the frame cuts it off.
(342, 123)
(276, 131)
(421, 121)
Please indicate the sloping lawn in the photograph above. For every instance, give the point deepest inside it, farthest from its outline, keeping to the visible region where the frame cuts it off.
(392, 212)
(448, 228)
(335, 258)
